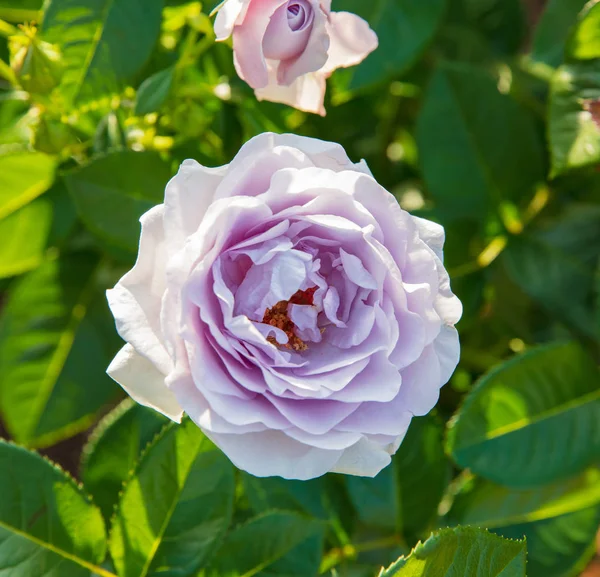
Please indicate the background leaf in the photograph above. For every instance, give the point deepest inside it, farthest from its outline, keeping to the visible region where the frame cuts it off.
(274, 544)
(574, 136)
(559, 521)
(471, 160)
(47, 525)
(553, 30)
(532, 420)
(462, 551)
(410, 20)
(133, 181)
(23, 177)
(175, 508)
(100, 51)
(51, 340)
(26, 231)
(114, 448)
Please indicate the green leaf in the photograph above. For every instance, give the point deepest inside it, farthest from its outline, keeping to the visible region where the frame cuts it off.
(531, 420)
(553, 30)
(277, 544)
(462, 551)
(47, 525)
(501, 21)
(560, 521)
(19, 10)
(154, 91)
(23, 177)
(275, 493)
(560, 260)
(24, 234)
(132, 181)
(412, 21)
(471, 159)
(405, 496)
(574, 136)
(104, 43)
(585, 40)
(558, 547)
(113, 450)
(53, 354)
(175, 508)
(494, 506)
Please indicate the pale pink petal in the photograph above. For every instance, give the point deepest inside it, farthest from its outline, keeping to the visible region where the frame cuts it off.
(248, 38)
(364, 459)
(230, 13)
(135, 301)
(352, 40)
(306, 93)
(144, 383)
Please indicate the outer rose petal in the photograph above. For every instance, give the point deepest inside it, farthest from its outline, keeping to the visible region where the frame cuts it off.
(352, 40)
(229, 14)
(144, 383)
(365, 459)
(273, 453)
(249, 59)
(306, 93)
(135, 302)
(188, 196)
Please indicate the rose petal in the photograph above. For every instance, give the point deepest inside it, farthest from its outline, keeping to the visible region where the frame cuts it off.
(144, 383)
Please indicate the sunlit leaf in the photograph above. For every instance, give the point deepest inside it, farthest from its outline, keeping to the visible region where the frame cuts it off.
(532, 420)
(175, 508)
(47, 525)
(462, 551)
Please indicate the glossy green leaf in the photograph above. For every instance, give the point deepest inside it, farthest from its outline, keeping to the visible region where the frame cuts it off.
(104, 43)
(405, 496)
(553, 30)
(277, 544)
(114, 449)
(132, 181)
(463, 551)
(413, 21)
(473, 160)
(175, 508)
(559, 521)
(501, 21)
(585, 40)
(154, 91)
(495, 506)
(53, 352)
(574, 136)
(24, 234)
(47, 525)
(19, 10)
(307, 497)
(23, 177)
(531, 420)
(560, 260)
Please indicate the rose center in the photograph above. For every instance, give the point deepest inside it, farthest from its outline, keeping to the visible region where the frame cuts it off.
(298, 15)
(277, 316)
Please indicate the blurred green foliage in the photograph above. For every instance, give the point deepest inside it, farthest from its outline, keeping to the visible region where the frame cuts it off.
(472, 115)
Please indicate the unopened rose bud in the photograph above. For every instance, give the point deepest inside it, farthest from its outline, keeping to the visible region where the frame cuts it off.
(37, 64)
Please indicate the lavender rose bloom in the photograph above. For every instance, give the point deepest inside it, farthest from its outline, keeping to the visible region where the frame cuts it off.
(286, 49)
(290, 307)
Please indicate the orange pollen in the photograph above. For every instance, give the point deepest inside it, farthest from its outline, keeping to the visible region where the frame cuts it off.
(277, 316)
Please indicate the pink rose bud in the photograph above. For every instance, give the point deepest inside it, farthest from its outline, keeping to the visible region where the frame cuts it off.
(290, 307)
(286, 49)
